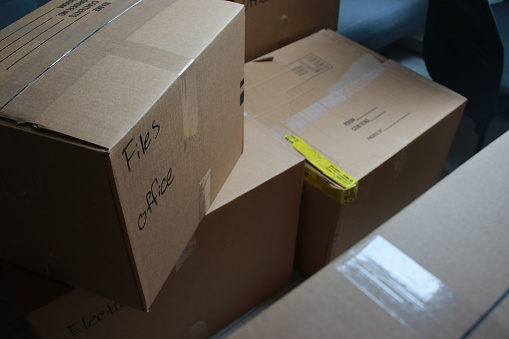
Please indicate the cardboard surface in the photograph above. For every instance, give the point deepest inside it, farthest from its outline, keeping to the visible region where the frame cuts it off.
(437, 269)
(121, 121)
(242, 252)
(272, 24)
(385, 125)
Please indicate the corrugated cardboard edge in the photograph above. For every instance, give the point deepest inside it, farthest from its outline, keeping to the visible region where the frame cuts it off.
(140, 303)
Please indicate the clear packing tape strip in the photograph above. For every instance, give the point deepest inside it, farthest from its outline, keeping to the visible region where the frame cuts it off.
(417, 299)
(324, 175)
(57, 31)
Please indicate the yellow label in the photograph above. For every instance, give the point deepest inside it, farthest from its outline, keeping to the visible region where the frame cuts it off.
(342, 187)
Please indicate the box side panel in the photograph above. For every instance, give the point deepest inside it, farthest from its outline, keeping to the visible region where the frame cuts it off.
(243, 252)
(441, 269)
(382, 193)
(355, 109)
(59, 213)
(324, 306)
(363, 113)
(171, 165)
(265, 156)
(318, 221)
(250, 262)
(274, 24)
(396, 183)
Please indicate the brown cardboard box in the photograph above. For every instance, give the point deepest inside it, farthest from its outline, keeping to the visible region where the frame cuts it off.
(437, 269)
(495, 324)
(381, 123)
(119, 123)
(271, 24)
(242, 252)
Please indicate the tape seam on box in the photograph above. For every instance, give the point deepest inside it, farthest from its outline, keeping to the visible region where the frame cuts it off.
(343, 187)
(199, 330)
(417, 299)
(189, 97)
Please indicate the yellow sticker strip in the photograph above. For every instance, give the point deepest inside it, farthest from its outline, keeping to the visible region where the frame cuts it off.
(342, 187)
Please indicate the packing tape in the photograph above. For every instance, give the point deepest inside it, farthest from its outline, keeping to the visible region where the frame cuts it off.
(310, 114)
(241, 86)
(204, 194)
(59, 268)
(199, 330)
(342, 187)
(417, 299)
(189, 103)
(248, 117)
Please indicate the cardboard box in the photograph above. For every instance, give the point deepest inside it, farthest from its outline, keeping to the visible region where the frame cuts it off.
(379, 122)
(437, 269)
(119, 122)
(271, 24)
(242, 252)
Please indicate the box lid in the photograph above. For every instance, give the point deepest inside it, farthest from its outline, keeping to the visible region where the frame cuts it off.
(90, 70)
(354, 106)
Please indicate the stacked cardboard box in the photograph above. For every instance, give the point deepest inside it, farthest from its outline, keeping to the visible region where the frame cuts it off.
(116, 139)
(241, 253)
(438, 269)
(382, 124)
(128, 117)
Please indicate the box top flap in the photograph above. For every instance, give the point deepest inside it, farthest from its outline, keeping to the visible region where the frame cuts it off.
(264, 157)
(352, 105)
(91, 69)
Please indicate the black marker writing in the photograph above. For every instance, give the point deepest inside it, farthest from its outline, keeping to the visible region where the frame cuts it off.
(86, 323)
(141, 144)
(157, 190)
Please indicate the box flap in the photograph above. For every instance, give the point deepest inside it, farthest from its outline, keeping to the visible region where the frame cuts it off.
(268, 157)
(334, 93)
(274, 24)
(133, 54)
